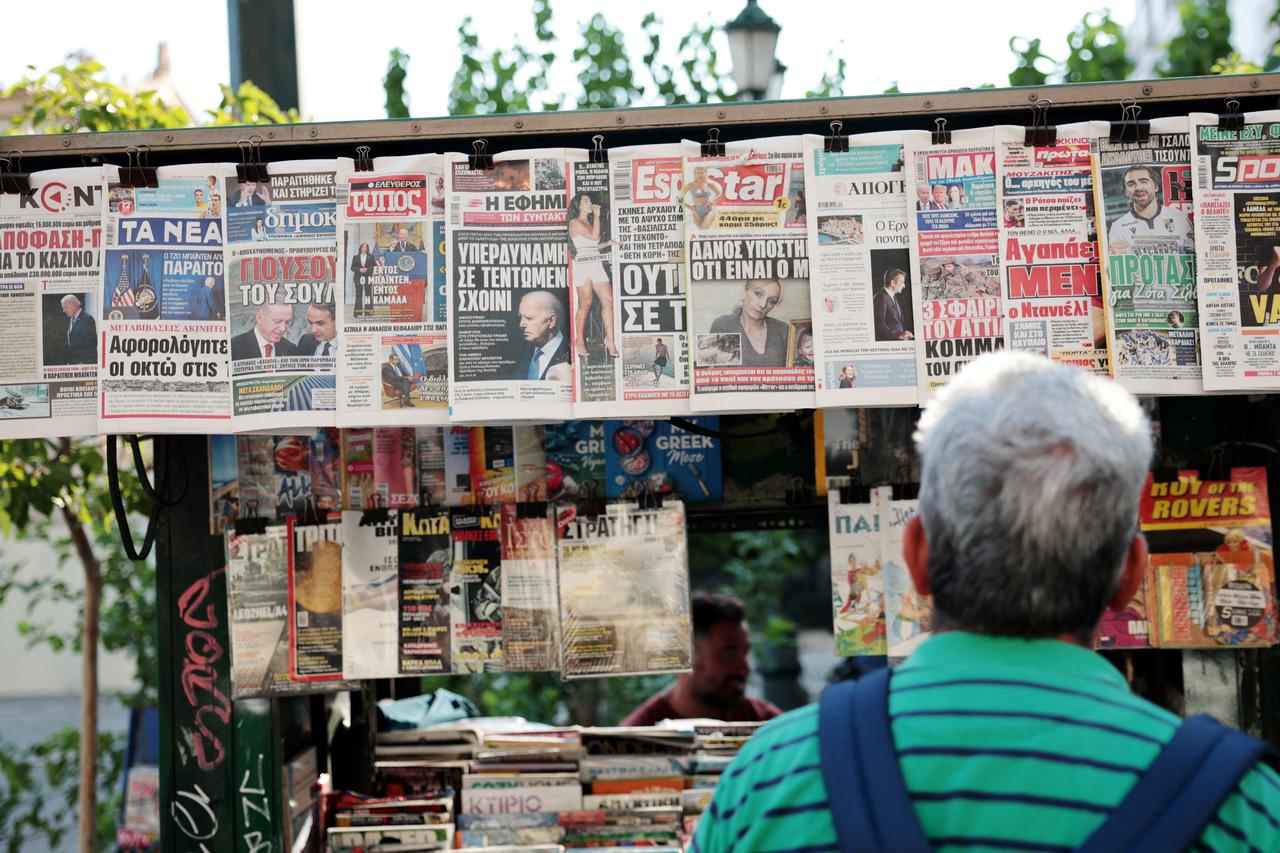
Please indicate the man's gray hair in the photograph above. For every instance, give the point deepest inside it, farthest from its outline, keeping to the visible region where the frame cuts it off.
(1032, 472)
(547, 302)
(70, 297)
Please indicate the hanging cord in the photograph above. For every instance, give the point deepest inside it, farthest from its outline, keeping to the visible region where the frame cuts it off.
(117, 500)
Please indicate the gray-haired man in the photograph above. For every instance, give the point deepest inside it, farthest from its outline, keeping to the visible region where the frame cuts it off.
(1005, 730)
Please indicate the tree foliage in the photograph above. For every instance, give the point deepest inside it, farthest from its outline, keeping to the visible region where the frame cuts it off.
(77, 96)
(1203, 40)
(393, 84)
(1096, 51)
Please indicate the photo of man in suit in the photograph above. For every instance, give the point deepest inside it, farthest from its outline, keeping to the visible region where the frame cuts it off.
(545, 354)
(402, 242)
(887, 311)
(250, 195)
(398, 377)
(323, 329)
(267, 337)
(82, 332)
(210, 300)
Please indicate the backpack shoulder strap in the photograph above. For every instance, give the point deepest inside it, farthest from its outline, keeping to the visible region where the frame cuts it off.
(1182, 790)
(866, 793)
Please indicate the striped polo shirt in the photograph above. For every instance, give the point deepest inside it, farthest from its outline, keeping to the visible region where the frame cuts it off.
(1005, 744)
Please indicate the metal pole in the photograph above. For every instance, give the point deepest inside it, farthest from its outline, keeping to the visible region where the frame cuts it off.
(264, 47)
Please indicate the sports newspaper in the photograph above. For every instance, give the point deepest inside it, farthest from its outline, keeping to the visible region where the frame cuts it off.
(165, 365)
(1237, 235)
(511, 348)
(1049, 246)
(281, 259)
(50, 300)
(864, 318)
(748, 265)
(954, 254)
(394, 361)
(1147, 244)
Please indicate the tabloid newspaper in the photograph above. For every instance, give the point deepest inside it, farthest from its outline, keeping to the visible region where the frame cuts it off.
(624, 592)
(591, 241)
(426, 552)
(1211, 576)
(857, 582)
(165, 365)
(1237, 231)
(50, 272)
(1145, 210)
(315, 599)
(954, 254)
(394, 361)
(864, 319)
(908, 617)
(651, 371)
(475, 589)
(1049, 245)
(530, 613)
(370, 597)
(510, 331)
(747, 249)
(281, 255)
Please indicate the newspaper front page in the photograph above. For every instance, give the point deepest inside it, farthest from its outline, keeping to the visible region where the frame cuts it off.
(1237, 236)
(864, 319)
(954, 254)
(1147, 242)
(370, 597)
(511, 347)
(281, 255)
(747, 250)
(624, 593)
(1049, 246)
(394, 363)
(857, 580)
(165, 365)
(50, 295)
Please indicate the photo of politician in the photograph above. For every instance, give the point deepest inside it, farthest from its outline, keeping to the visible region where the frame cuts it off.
(266, 338)
(541, 340)
(70, 330)
(891, 295)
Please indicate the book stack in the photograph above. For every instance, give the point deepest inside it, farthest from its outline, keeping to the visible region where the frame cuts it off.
(716, 744)
(517, 808)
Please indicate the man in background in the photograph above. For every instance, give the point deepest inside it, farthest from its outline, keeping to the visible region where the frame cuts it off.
(397, 376)
(716, 689)
(320, 321)
(402, 243)
(82, 332)
(209, 300)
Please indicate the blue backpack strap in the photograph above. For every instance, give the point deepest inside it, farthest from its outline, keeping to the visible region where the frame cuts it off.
(867, 796)
(1182, 790)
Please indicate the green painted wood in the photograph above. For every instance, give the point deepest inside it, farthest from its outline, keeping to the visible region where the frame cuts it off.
(258, 813)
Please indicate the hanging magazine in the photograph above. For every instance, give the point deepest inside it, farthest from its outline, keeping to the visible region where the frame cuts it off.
(50, 304)
(748, 264)
(315, 599)
(857, 580)
(530, 612)
(426, 551)
(475, 589)
(864, 317)
(624, 593)
(908, 616)
(258, 610)
(393, 311)
(370, 597)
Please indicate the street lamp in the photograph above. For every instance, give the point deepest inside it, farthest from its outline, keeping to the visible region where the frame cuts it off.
(753, 37)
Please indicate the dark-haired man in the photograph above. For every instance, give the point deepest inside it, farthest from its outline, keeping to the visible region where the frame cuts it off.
(887, 312)
(1155, 226)
(716, 689)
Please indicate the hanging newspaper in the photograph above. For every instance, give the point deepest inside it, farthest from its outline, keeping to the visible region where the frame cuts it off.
(315, 599)
(426, 550)
(50, 272)
(1049, 245)
(510, 333)
(1237, 224)
(370, 597)
(954, 252)
(908, 616)
(165, 364)
(281, 267)
(651, 371)
(864, 320)
(475, 589)
(857, 582)
(624, 593)
(394, 360)
(748, 299)
(1145, 207)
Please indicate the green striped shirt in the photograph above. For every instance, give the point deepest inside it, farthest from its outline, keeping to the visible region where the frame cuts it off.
(1004, 744)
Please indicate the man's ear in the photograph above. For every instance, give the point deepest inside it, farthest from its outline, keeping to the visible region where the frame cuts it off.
(1131, 576)
(915, 550)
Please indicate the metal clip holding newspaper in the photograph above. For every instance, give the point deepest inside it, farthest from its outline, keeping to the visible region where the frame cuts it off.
(137, 172)
(1040, 133)
(251, 167)
(1130, 128)
(248, 522)
(12, 178)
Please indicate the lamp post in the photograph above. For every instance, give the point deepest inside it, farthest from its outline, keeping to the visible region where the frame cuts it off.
(753, 37)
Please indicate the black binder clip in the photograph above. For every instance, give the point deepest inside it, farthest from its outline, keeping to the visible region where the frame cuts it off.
(1040, 132)
(364, 160)
(251, 167)
(906, 491)
(1130, 128)
(12, 178)
(425, 501)
(138, 173)
(311, 515)
(837, 142)
(598, 153)
(713, 147)
(650, 498)
(531, 504)
(940, 135)
(589, 504)
(480, 159)
(1232, 120)
(1164, 474)
(855, 493)
(375, 512)
(798, 494)
(249, 522)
